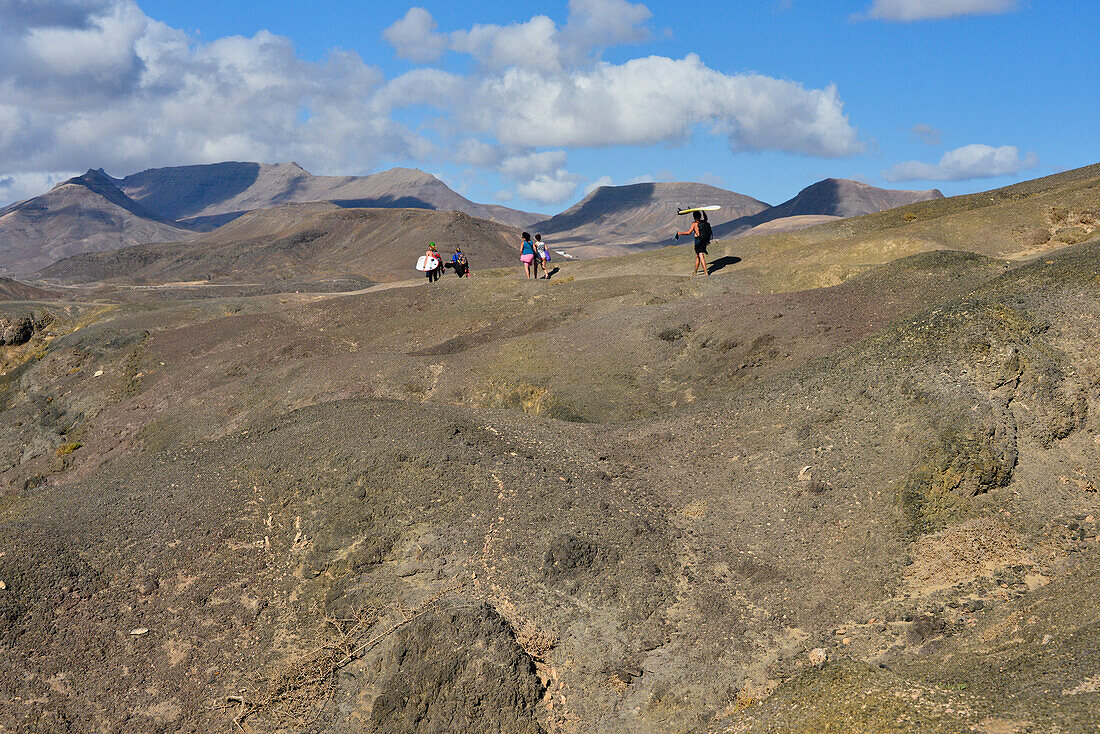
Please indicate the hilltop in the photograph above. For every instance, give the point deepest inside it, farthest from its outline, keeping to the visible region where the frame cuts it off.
(207, 196)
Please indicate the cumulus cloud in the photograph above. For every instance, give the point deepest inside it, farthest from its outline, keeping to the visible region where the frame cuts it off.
(657, 99)
(96, 82)
(926, 134)
(541, 176)
(910, 10)
(414, 37)
(538, 43)
(965, 163)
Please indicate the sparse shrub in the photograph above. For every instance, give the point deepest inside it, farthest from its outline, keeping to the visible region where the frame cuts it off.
(67, 448)
(910, 217)
(535, 641)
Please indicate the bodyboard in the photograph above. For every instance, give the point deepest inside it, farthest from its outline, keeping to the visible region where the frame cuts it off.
(425, 263)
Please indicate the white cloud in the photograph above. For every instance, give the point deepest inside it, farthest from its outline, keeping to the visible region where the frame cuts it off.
(97, 83)
(414, 37)
(532, 45)
(926, 134)
(599, 23)
(21, 186)
(537, 43)
(910, 10)
(541, 176)
(657, 99)
(965, 163)
(549, 188)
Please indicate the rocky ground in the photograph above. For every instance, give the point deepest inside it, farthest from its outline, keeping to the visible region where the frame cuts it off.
(614, 501)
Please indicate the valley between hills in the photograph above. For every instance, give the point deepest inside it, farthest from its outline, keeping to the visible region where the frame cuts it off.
(256, 477)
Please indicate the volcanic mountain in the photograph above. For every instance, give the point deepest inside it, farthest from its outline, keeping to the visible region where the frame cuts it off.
(88, 213)
(207, 196)
(833, 197)
(302, 243)
(618, 218)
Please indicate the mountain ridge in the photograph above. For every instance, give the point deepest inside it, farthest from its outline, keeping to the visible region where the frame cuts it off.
(86, 213)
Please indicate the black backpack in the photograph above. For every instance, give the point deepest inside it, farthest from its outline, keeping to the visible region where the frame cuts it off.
(704, 231)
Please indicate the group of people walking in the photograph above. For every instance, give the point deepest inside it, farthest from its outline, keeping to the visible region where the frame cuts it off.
(458, 263)
(533, 255)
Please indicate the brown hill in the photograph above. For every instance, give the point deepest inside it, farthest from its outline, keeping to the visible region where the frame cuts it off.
(302, 243)
(84, 214)
(833, 197)
(620, 218)
(207, 196)
(13, 290)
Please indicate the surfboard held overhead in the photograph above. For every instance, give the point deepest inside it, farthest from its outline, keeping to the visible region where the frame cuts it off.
(711, 208)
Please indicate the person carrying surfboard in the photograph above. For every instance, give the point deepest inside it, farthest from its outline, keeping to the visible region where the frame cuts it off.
(527, 255)
(435, 273)
(701, 229)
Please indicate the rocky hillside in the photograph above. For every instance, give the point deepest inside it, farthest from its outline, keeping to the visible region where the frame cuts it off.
(301, 244)
(847, 483)
(88, 213)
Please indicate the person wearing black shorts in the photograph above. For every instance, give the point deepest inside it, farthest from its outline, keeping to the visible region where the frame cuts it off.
(701, 229)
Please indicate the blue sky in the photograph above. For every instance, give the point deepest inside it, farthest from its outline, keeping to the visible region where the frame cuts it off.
(531, 104)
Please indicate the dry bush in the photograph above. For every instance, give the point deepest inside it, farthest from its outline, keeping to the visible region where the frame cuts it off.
(535, 641)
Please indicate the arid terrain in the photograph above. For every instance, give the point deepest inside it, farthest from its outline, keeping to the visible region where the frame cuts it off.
(846, 483)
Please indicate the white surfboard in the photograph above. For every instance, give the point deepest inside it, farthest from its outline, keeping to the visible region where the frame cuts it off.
(711, 208)
(425, 263)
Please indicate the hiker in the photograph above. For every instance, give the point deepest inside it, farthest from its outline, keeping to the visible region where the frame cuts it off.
(542, 256)
(459, 263)
(437, 272)
(527, 255)
(701, 229)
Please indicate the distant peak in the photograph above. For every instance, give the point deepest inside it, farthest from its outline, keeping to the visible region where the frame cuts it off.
(292, 165)
(92, 178)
